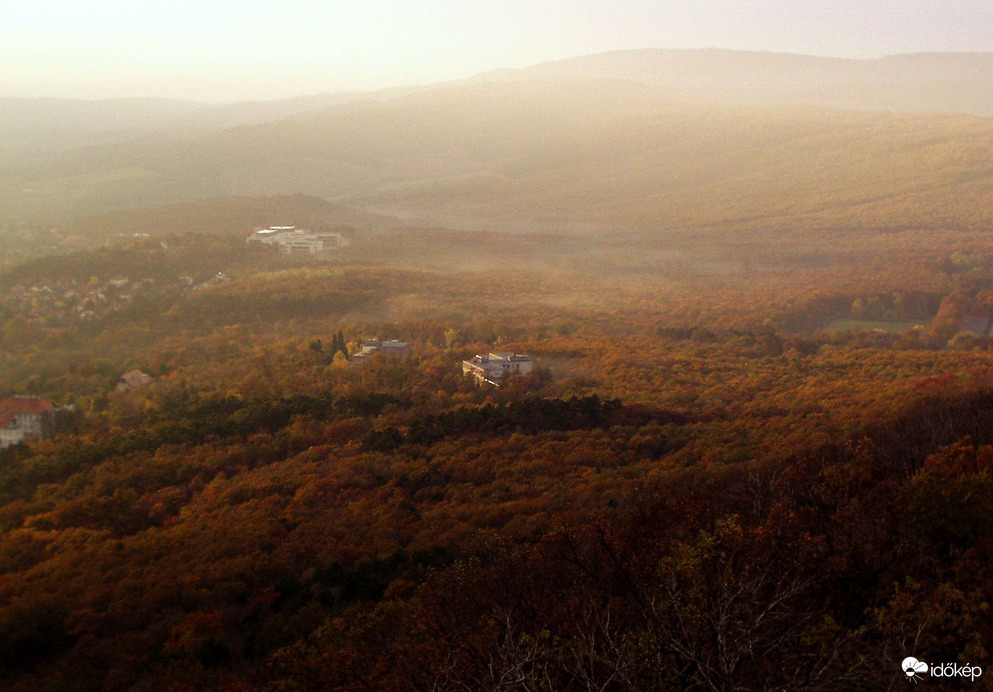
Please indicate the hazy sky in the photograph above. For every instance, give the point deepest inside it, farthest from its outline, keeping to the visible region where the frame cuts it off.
(225, 49)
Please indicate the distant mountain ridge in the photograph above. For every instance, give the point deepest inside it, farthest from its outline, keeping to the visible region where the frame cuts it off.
(41, 125)
(633, 139)
(920, 82)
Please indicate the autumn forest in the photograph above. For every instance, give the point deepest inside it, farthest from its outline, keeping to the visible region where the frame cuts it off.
(755, 450)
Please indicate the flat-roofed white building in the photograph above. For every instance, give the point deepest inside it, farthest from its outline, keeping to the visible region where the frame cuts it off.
(495, 366)
(292, 239)
(391, 348)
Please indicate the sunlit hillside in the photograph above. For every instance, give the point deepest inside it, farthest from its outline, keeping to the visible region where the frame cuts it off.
(618, 141)
(924, 82)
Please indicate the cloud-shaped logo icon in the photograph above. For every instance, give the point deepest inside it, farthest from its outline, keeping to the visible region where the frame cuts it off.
(913, 668)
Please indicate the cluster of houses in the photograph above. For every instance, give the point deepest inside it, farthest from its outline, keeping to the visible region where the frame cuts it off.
(292, 239)
(54, 306)
(493, 368)
(31, 417)
(21, 242)
(28, 417)
(65, 301)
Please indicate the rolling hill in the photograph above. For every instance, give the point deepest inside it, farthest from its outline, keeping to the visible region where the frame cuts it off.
(923, 82)
(635, 141)
(227, 216)
(29, 127)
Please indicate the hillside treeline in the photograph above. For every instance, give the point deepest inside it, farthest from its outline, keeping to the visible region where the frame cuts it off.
(746, 480)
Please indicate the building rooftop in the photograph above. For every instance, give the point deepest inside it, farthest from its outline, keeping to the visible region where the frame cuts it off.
(134, 379)
(20, 405)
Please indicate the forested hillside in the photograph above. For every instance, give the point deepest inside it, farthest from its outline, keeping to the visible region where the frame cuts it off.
(264, 515)
(754, 450)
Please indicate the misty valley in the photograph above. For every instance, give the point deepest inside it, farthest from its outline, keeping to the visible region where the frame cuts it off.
(651, 370)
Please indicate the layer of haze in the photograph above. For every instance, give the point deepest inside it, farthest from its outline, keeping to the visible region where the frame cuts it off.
(225, 50)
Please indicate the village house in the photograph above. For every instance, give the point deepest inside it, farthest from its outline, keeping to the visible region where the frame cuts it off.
(24, 417)
(494, 367)
(134, 379)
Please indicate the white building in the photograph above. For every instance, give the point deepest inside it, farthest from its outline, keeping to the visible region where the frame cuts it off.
(23, 417)
(370, 347)
(292, 239)
(494, 367)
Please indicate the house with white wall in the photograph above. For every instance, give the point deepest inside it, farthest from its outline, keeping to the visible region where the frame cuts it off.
(493, 367)
(24, 417)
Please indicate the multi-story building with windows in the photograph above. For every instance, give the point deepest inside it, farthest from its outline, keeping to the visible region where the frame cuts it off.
(24, 417)
(292, 239)
(494, 367)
